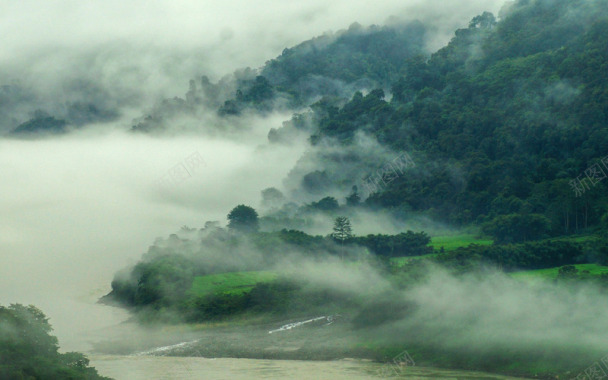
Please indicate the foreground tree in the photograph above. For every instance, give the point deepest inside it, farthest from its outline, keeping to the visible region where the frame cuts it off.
(243, 219)
(29, 351)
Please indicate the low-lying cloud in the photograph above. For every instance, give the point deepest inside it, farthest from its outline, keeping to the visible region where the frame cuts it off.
(125, 57)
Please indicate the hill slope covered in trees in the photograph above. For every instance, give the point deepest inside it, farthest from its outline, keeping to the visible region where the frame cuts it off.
(507, 119)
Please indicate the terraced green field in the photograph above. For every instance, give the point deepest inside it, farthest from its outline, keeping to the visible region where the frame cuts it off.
(551, 273)
(229, 283)
(449, 243)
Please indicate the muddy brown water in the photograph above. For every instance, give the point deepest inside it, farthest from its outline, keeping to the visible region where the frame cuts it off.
(182, 368)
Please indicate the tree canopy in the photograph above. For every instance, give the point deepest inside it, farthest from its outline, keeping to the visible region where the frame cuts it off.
(29, 351)
(243, 219)
(342, 229)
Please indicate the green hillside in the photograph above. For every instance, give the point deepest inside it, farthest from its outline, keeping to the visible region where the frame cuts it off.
(229, 283)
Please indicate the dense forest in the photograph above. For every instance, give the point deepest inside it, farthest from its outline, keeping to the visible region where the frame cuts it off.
(507, 121)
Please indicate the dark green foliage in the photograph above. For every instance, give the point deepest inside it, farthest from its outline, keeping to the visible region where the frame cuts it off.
(162, 281)
(215, 306)
(353, 199)
(533, 26)
(41, 124)
(28, 351)
(376, 54)
(602, 252)
(536, 255)
(403, 244)
(243, 219)
(567, 272)
(160, 286)
(327, 204)
(358, 58)
(361, 112)
(276, 243)
(274, 296)
(257, 93)
(159, 282)
(507, 114)
(281, 297)
(517, 228)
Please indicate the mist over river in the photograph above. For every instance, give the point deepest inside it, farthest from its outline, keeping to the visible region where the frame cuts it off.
(160, 368)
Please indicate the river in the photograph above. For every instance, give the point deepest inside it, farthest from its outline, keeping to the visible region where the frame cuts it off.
(179, 368)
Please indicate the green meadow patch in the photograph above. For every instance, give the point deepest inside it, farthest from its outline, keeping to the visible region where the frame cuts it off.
(448, 242)
(551, 273)
(229, 283)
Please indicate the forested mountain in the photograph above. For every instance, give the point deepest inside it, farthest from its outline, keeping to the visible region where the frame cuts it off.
(508, 119)
(335, 64)
(373, 56)
(500, 121)
(517, 108)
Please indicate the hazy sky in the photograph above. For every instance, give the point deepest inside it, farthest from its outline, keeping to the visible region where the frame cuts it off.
(159, 45)
(31, 25)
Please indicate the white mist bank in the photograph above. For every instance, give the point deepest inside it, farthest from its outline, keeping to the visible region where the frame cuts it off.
(75, 210)
(124, 57)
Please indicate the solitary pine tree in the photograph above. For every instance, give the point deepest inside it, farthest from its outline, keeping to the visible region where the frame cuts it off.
(342, 230)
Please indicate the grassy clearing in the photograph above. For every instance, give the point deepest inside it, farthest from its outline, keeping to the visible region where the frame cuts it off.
(229, 283)
(551, 273)
(448, 242)
(452, 242)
